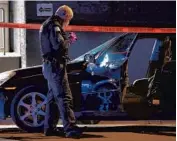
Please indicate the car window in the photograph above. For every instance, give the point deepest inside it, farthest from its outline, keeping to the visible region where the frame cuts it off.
(140, 55)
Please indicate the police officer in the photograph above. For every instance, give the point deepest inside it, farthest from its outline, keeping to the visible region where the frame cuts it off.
(54, 48)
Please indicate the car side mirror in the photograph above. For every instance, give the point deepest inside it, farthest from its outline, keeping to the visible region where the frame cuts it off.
(88, 58)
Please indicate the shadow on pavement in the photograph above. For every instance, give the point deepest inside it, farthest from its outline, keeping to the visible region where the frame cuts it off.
(91, 136)
(17, 134)
(38, 136)
(155, 130)
(19, 138)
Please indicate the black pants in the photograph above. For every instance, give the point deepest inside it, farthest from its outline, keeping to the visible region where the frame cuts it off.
(59, 90)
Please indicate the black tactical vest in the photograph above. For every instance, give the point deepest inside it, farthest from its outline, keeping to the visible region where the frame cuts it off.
(62, 52)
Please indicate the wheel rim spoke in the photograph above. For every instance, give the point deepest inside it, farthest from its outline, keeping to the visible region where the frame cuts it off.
(42, 103)
(24, 116)
(35, 123)
(27, 106)
(42, 113)
(33, 99)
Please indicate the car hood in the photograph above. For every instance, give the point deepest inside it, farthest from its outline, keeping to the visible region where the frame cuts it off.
(28, 71)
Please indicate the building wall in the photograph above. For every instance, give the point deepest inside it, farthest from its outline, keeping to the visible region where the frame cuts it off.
(122, 13)
(8, 61)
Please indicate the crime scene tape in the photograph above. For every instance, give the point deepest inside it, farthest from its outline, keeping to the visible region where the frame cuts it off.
(81, 28)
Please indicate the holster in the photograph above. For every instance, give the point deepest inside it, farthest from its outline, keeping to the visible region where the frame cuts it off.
(55, 62)
(49, 58)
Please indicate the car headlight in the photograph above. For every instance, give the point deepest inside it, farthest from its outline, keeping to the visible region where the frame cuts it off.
(6, 76)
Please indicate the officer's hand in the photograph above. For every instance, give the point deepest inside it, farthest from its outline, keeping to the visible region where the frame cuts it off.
(72, 37)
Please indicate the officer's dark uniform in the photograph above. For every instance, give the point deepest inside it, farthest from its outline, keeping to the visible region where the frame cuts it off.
(54, 49)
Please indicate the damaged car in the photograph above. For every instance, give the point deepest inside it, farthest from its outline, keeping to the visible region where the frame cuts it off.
(97, 90)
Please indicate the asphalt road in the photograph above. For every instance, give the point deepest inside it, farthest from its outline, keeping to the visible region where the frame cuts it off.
(93, 136)
(106, 131)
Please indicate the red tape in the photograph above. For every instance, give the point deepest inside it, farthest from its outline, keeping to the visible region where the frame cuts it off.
(80, 28)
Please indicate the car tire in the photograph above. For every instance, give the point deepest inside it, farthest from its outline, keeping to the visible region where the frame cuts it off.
(16, 109)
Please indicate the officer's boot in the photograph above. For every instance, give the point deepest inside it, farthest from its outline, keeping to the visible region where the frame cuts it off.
(76, 132)
(54, 132)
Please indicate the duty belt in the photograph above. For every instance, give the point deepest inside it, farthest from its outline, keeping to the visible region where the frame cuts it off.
(55, 61)
(50, 60)
(47, 61)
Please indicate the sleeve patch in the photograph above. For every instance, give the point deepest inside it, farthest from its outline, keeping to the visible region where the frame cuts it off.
(57, 29)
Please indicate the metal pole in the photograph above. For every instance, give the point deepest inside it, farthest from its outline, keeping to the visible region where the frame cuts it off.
(4, 30)
(4, 33)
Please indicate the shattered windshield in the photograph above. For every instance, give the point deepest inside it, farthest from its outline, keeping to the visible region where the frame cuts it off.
(95, 50)
(123, 45)
(118, 51)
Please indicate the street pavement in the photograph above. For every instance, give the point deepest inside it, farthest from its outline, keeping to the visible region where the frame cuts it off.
(105, 131)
